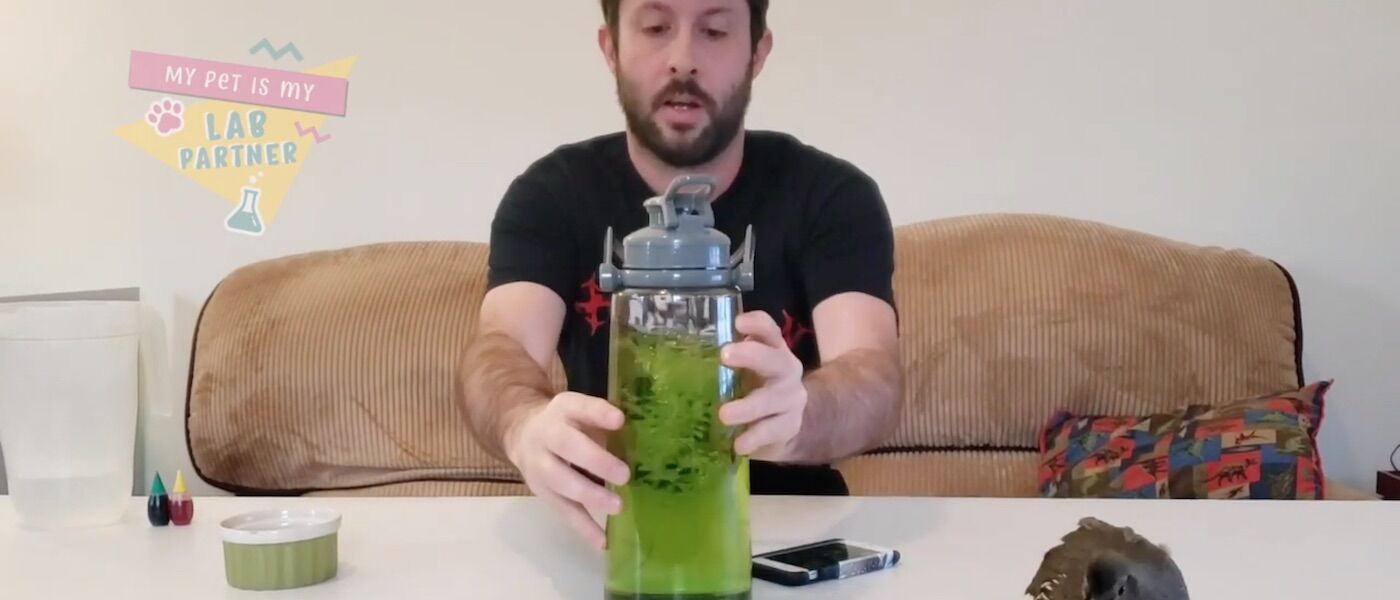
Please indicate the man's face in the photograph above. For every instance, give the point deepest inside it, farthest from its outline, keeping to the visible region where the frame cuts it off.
(684, 71)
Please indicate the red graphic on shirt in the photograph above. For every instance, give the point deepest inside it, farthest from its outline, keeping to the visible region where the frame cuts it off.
(793, 331)
(594, 308)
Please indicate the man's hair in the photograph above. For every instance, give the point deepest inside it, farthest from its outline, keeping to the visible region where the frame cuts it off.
(758, 18)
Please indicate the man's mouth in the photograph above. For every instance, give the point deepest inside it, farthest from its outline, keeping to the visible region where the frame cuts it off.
(682, 103)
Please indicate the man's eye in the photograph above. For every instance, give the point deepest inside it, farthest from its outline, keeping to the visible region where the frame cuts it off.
(654, 29)
(715, 34)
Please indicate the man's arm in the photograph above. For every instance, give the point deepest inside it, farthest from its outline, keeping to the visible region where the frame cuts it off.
(504, 371)
(854, 399)
(504, 388)
(503, 381)
(852, 402)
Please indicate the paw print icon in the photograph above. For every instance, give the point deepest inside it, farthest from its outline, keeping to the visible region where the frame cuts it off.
(165, 116)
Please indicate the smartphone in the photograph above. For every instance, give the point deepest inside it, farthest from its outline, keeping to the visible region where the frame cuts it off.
(822, 561)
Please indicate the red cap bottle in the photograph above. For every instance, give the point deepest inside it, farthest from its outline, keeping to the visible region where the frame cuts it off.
(181, 504)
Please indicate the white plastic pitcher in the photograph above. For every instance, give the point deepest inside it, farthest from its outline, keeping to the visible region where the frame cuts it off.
(68, 410)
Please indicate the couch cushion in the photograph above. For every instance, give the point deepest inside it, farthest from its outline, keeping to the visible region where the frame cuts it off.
(1005, 474)
(1006, 319)
(336, 369)
(1262, 448)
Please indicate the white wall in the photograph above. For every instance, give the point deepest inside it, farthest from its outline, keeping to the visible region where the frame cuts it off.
(1264, 124)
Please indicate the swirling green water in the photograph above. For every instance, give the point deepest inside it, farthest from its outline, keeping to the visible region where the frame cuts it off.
(684, 527)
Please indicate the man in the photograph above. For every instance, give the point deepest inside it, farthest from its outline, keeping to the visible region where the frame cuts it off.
(821, 328)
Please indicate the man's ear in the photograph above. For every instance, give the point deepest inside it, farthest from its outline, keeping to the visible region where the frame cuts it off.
(760, 54)
(608, 46)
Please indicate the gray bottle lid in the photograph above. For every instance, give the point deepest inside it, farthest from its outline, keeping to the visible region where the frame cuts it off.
(679, 248)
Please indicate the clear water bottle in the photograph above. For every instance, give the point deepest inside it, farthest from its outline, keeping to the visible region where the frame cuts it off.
(683, 531)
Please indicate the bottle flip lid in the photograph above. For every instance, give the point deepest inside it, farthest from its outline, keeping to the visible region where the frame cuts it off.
(679, 248)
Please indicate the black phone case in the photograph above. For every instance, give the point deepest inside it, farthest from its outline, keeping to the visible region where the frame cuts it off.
(781, 577)
(791, 579)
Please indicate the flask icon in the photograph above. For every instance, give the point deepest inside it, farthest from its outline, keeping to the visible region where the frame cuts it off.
(245, 219)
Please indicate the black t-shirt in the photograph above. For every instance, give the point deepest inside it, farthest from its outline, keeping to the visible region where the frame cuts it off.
(821, 228)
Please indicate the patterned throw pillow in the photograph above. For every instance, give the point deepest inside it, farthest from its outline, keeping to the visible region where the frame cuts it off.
(1263, 447)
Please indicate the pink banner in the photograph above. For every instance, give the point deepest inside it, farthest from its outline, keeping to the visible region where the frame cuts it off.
(237, 83)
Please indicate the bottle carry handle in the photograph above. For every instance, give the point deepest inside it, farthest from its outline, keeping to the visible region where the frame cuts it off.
(687, 196)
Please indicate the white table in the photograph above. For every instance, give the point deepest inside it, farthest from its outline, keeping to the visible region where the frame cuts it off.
(484, 548)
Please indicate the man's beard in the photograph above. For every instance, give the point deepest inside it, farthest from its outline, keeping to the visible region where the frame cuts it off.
(724, 121)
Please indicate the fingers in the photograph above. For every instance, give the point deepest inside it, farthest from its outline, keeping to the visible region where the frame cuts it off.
(587, 410)
(760, 404)
(768, 432)
(576, 447)
(774, 411)
(768, 362)
(572, 485)
(760, 326)
(577, 519)
(556, 445)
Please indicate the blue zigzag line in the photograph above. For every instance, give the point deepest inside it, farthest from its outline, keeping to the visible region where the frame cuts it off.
(275, 53)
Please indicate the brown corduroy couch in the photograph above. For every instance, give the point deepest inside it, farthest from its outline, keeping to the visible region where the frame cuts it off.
(332, 372)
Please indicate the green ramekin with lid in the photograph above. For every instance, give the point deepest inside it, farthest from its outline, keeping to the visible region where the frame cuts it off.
(281, 549)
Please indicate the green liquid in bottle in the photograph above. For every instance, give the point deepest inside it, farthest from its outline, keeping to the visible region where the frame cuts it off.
(684, 527)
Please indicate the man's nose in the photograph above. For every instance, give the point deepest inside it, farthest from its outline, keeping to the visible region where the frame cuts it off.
(682, 57)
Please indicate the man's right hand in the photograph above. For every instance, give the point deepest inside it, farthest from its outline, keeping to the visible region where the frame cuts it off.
(546, 441)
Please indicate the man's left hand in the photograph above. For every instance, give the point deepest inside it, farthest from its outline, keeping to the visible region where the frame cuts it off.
(772, 412)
